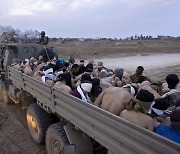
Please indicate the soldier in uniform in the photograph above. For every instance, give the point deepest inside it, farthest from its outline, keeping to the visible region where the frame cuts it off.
(43, 40)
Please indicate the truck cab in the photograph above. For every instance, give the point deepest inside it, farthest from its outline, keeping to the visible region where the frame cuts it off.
(14, 50)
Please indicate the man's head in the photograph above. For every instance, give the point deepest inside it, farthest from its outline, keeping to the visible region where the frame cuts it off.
(81, 62)
(33, 62)
(177, 103)
(100, 65)
(142, 78)
(175, 120)
(91, 62)
(159, 106)
(86, 78)
(104, 73)
(139, 70)
(172, 81)
(145, 95)
(43, 33)
(72, 59)
(132, 89)
(75, 68)
(96, 82)
(175, 116)
(89, 68)
(86, 82)
(142, 102)
(66, 76)
(119, 72)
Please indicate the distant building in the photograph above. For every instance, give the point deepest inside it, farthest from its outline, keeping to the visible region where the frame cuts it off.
(164, 37)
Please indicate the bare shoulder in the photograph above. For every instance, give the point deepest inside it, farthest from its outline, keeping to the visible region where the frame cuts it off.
(123, 113)
(135, 114)
(56, 84)
(138, 118)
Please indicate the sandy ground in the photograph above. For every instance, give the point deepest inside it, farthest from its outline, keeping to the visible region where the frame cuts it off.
(14, 135)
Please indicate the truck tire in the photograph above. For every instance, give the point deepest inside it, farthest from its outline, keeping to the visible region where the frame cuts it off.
(56, 139)
(38, 121)
(5, 95)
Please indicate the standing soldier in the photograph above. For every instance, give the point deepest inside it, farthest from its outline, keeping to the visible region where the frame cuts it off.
(43, 40)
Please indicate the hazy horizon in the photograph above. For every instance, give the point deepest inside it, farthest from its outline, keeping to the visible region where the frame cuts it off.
(93, 18)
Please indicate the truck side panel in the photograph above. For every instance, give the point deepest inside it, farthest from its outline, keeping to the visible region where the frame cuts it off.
(42, 92)
(113, 132)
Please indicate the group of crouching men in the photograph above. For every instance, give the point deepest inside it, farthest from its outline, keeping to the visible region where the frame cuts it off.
(139, 99)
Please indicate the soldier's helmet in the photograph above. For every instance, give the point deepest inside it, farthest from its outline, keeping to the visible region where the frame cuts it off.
(43, 33)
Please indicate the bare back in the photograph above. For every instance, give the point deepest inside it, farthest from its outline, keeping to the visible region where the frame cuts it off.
(37, 76)
(113, 99)
(138, 118)
(28, 71)
(62, 87)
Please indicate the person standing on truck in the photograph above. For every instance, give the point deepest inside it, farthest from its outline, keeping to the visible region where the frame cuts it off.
(82, 91)
(43, 40)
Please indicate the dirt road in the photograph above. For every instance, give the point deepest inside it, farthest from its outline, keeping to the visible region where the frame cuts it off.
(147, 61)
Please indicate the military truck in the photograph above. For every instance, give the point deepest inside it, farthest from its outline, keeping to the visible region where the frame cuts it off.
(68, 125)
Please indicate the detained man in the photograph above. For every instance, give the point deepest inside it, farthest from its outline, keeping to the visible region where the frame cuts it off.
(82, 91)
(64, 82)
(115, 99)
(137, 109)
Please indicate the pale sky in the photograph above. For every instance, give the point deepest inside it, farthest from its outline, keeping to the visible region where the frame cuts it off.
(93, 18)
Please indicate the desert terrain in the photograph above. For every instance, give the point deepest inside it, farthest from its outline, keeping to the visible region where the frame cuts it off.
(14, 135)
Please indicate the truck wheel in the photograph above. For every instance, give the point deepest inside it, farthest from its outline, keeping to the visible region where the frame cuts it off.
(56, 139)
(38, 121)
(5, 95)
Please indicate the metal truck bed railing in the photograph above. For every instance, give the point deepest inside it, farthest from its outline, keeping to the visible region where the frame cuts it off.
(111, 131)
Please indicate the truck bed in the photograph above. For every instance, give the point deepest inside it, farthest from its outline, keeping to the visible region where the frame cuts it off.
(112, 132)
